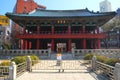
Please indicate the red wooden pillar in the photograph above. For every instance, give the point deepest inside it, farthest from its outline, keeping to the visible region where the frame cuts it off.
(98, 42)
(69, 29)
(95, 44)
(53, 45)
(30, 44)
(69, 45)
(38, 44)
(84, 43)
(23, 44)
(52, 29)
(83, 30)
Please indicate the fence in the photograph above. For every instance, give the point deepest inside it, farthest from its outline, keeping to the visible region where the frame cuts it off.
(4, 72)
(107, 70)
(111, 53)
(11, 53)
(113, 73)
(58, 65)
(21, 68)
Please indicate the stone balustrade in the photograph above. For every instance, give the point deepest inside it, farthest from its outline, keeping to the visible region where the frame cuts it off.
(111, 53)
(12, 53)
(111, 72)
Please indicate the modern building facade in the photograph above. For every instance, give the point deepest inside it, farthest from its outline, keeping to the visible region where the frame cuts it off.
(24, 6)
(105, 6)
(4, 30)
(61, 30)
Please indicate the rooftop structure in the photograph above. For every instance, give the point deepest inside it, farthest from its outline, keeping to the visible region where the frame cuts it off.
(105, 6)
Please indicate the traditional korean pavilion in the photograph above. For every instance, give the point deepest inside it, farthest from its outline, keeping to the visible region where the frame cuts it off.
(61, 30)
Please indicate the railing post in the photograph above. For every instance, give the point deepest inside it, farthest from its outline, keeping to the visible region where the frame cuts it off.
(73, 52)
(12, 71)
(94, 63)
(49, 52)
(117, 71)
(29, 64)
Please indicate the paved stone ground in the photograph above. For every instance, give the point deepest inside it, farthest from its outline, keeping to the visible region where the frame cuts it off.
(81, 74)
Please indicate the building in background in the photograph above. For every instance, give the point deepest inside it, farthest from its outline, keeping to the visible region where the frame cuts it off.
(4, 30)
(61, 29)
(25, 6)
(22, 6)
(105, 6)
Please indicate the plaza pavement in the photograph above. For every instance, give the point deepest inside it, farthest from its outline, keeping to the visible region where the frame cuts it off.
(37, 74)
(81, 74)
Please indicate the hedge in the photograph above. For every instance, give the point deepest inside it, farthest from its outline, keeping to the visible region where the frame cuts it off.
(6, 63)
(21, 59)
(103, 59)
(112, 61)
(88, 56)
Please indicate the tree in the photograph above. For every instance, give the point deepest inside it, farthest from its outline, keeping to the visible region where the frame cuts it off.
(112, 24)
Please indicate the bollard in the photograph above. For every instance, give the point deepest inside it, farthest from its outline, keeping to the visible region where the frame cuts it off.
(94, 63)
(12, 71)
(29, 64)
(117, 71)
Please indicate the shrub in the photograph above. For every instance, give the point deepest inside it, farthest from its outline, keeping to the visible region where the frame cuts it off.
(88, 56)
(34, 57)
(112, 61)
(101, 58)
(5, 63)
(19, 59)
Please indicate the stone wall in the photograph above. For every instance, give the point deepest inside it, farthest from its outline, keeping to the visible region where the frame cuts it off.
(111, 53)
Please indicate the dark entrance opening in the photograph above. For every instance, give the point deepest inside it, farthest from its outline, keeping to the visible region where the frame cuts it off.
(61, 45)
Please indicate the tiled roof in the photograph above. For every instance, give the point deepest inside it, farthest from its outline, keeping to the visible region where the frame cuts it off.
(62, 13)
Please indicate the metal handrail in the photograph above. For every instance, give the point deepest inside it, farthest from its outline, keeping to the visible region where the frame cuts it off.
(4, 72)
(106, 69)
(21, 68)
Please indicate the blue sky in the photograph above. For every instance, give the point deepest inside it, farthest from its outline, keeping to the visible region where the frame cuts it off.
(8, 5)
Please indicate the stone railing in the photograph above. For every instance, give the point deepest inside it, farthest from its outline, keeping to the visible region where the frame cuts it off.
(4, 72)
(111, 53)
(112, 72)
(21, 68)
(107, 70)
(11, 53)
(17, 70)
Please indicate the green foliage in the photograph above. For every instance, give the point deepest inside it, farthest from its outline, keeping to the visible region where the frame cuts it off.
(21, 59)
(34, 57)
(88, 56)
(5, 63)
(112, 24)
(6, 46)
(112, 61)
(101, 58)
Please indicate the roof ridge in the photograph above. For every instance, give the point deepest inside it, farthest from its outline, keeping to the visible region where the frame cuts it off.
(61, 10)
